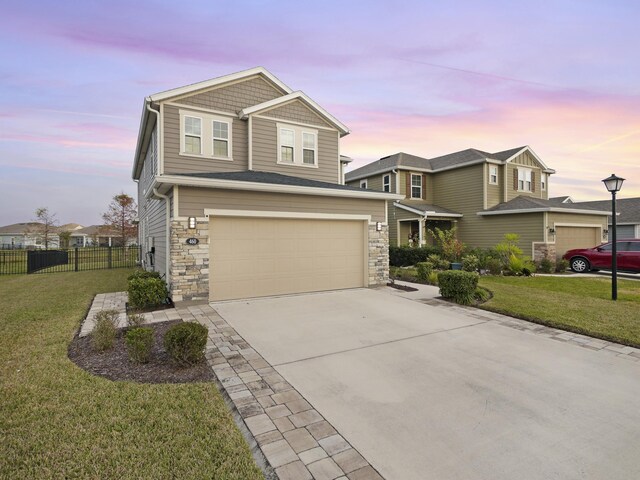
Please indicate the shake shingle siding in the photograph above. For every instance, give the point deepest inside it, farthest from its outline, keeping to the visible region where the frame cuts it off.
(296, 112)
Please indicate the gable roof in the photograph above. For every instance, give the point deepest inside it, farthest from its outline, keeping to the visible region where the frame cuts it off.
(428, 209)
(297, 95)
(469, 156)
(563, 199)
(627, 209)
(525, 204)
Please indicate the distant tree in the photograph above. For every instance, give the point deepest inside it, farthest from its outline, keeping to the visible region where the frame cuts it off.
(120, 217)
(65, 238)
(44, 229)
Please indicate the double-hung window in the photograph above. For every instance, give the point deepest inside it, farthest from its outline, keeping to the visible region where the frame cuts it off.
(524, 179)
(297, 145)
(308, 148)
(416, 186)
(543, 181)
(287, 145)
(193, 135)
(493, 174)
(386, 183)
(363, 184)
(220, 139)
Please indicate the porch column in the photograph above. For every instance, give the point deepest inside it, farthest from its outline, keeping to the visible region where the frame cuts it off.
(421, 231)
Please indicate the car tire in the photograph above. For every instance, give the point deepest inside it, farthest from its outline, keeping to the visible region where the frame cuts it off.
(580, 265)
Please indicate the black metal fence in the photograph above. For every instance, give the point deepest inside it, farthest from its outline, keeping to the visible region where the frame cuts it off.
(67, 260)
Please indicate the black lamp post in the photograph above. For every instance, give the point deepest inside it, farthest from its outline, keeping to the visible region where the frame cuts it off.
(614, 184)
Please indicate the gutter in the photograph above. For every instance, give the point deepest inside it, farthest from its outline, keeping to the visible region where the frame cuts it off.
(543, 209)
(167, 254)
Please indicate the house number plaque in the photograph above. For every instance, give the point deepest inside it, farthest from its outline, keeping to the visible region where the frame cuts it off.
(192, 241)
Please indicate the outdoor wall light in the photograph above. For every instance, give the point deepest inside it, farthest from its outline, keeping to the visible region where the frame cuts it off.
(605, 232)
(192, 223)
(613, 184)
(378, 226)
(552, 231)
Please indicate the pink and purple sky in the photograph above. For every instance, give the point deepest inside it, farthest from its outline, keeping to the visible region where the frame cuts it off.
(423, 77)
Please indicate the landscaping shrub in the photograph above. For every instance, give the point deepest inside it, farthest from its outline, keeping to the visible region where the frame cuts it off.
(145, 292)
(481, 295)
(405, 255)
(448, 242)
(139, 341)
(470, 263)
(140, 273)
(562, 265)
(185, 342)
(433, 278)
(103, 335)
(424, 269)
(546, 266)
(494, 266)
(438, 262)
(135, 319)
(458, 285)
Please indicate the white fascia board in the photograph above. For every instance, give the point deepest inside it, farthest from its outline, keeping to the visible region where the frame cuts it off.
(545, 209)
(218, 81)
(527, 148)
(428, 213)
(141, 130)
(271, 187)
(244, 113)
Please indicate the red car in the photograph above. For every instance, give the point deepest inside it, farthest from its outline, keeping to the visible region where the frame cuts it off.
(586, 259)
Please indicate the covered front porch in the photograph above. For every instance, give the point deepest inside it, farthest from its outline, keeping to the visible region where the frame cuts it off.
(415, 220)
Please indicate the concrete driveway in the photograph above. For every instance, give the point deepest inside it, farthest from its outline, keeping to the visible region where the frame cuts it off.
(434, 392)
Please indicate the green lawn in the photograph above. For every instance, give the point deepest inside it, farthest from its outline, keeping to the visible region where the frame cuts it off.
(58, 421)
(581, 305)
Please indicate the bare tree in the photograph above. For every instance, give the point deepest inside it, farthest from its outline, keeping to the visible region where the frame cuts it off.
(44, 228)
(120, 217)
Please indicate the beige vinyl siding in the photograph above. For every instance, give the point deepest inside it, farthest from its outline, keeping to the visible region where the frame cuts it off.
(265, 153)
(525, 160)
(176, 163)
(429, 181)
(495, 192)
(155, 218)
(396, 214)
(235, 96)
(374, 182)
(461, 190)
(489, 230)
(296, 112)
(194, 200)
(553, 219)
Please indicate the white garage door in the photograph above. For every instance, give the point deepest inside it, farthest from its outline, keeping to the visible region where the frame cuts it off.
(568, 238)
(256, 257)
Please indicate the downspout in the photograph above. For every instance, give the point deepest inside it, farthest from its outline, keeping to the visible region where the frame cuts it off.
(167, 254)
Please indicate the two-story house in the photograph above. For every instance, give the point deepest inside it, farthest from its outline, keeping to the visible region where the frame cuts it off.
(241, 193)
(485, 195)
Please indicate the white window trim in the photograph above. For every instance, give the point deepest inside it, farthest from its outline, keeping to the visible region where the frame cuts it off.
(214, 138)
(298, 145)
(415, 186)
(363, 184)
(206, 135)
(184, 135)
(493, 168)
(386, 183)
(543, 182)
(314, 149)
(524, 178)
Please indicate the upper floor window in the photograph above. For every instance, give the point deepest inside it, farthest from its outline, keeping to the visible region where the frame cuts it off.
(524, 179)
(297, 145)
(193, 135)
(386, 183)
(220, 139)
(543, 181)
(205, 135)
(363, 184)
(416, 186)
(493, 174)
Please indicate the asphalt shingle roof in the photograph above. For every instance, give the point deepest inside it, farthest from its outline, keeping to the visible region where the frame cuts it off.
(524, 203)
(428, 207)
(274, 179)
(627, 208)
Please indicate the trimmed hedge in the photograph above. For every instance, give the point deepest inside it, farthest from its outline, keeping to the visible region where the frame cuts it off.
(140, 273)
(405, 255)
(145, 292)
(458, 285)
(185, 343)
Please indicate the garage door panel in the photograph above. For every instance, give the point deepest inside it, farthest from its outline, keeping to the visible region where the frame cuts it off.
(252, 257)
(568, 238)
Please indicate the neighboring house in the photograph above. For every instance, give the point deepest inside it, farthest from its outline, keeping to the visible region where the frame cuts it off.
(485, 195)
(627, 218)
(25, 235)
(241, 194)
(97, 236)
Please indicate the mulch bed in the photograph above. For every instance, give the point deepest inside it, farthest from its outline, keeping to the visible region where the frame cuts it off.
(397, 286)
(115, 364)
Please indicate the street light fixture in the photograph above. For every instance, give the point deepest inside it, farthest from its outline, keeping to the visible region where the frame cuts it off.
(613, 184)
